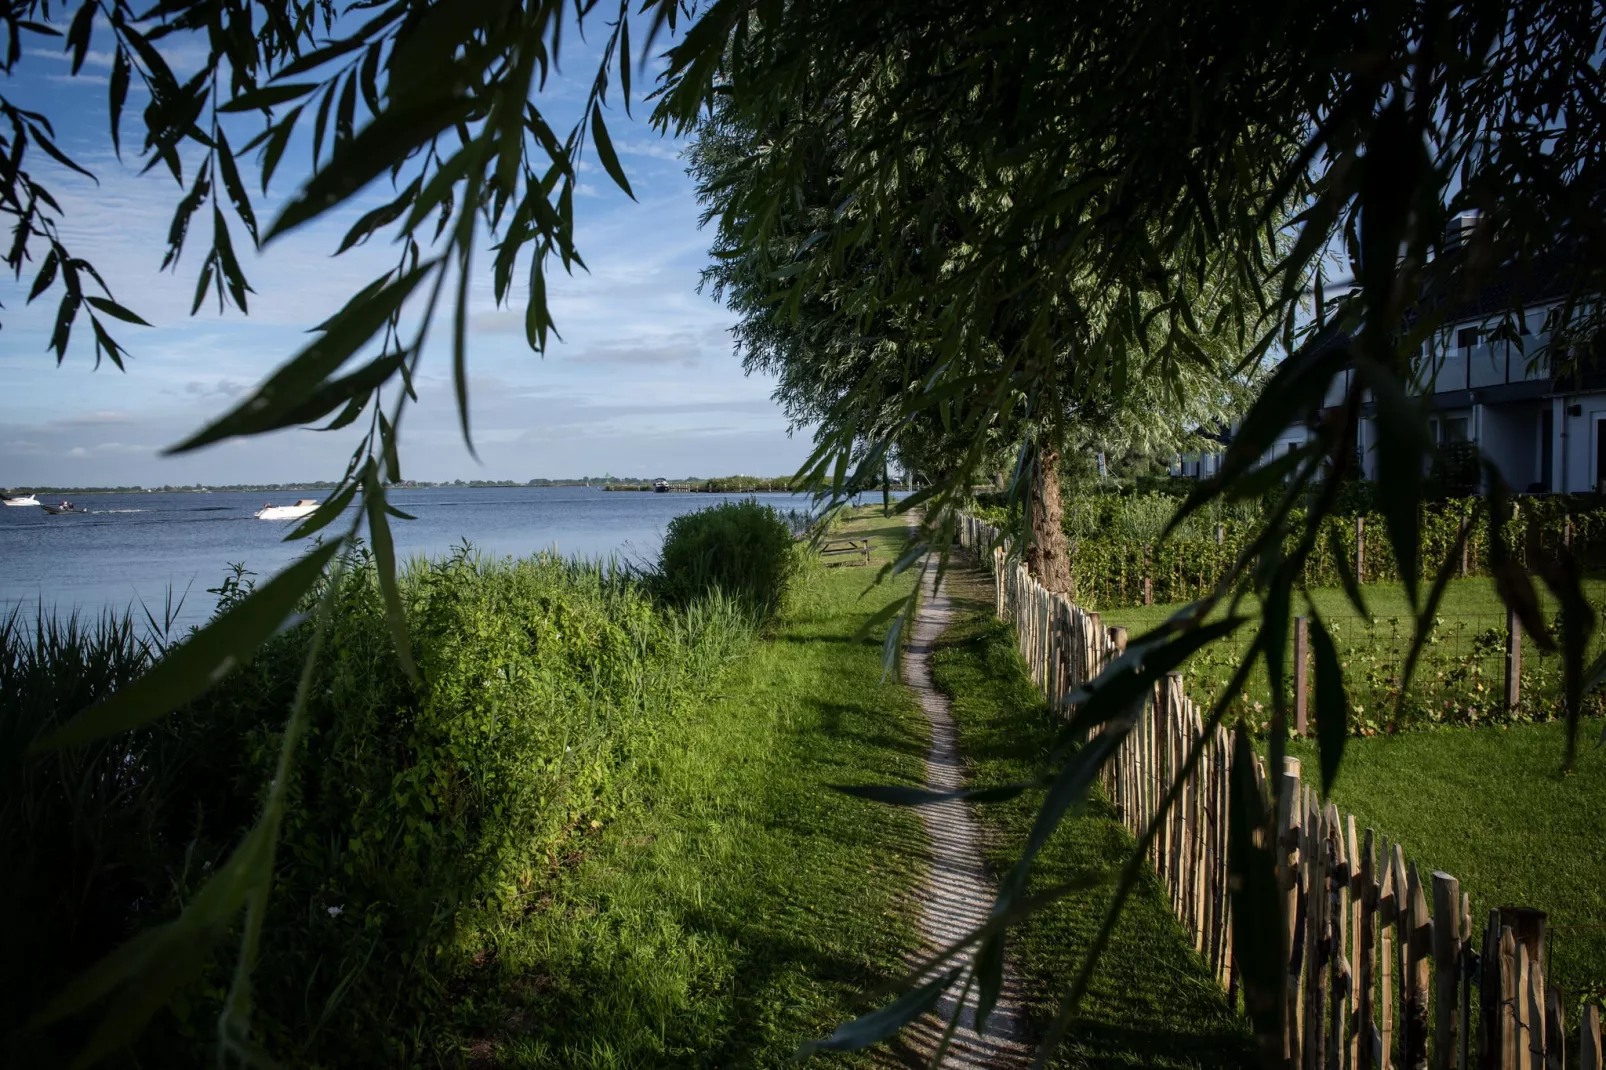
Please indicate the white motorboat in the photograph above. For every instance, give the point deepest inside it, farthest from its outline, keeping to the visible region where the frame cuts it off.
(24, 499)
(304, 507)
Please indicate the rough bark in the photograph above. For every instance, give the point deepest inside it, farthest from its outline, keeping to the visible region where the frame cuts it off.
(1046, 553)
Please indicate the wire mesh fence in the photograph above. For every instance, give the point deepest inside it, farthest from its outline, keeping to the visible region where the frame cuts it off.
(1459, 678)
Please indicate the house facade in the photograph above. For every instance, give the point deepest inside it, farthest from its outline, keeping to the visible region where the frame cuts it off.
(1491, 384)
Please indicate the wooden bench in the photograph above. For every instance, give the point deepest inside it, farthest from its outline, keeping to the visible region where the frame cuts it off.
(838, 548)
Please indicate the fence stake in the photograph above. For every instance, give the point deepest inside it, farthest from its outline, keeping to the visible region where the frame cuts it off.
(1360, 549)
(1365, 957)
(1513, 659)
(1589, 1053)
(1555, 1031)
(1466, 541)
(1388, 919)
(1148, 578)
(1301, 674)
(1510, 968)
(1289, 822)
(1490, 1042)
(1419, 947)
(1446, 968)
(1318, 949)
(1465, 1020)
(1534, 993)
(1338, 932)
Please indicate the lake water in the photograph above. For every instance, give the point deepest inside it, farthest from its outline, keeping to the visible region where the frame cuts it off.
(133, 548)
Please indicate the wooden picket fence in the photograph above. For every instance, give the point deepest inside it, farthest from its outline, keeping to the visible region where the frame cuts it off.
(1385, 966)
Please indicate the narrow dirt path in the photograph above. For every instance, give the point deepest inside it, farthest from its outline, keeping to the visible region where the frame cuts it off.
(958, 892)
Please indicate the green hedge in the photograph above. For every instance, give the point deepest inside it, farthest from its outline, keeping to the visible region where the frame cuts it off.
(1116, 543)
(420, 817)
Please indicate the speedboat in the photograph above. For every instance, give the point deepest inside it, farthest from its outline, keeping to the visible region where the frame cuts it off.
(303, 507)
(64, 507)
(23, 499)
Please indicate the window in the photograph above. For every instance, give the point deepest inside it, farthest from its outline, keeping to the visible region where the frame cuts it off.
(1467, 337)
(1451, 429)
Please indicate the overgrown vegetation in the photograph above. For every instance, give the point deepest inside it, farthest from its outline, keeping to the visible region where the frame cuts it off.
(582, 843)
(1153, 1001)
(438, 812)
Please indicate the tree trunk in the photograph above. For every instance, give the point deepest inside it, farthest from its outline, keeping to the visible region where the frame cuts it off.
(1046, 554)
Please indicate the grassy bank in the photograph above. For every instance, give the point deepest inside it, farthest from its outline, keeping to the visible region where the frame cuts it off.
(1153, 1002)
(598, 835)
(1490, 806)
(736, 906)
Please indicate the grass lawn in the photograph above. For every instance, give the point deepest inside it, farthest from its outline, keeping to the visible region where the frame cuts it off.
(1490, 806)
(742, 907)
(1153, 1001)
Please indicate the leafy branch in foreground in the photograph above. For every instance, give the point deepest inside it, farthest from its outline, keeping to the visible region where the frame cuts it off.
(446, 96)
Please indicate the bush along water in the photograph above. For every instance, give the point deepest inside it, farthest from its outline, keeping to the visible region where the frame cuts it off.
(744, 550)
(421, 817)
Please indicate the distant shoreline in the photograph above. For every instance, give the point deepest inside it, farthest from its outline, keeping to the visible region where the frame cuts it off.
(715, 485)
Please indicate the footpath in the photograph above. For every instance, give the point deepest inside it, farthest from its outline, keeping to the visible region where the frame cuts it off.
(958, 892)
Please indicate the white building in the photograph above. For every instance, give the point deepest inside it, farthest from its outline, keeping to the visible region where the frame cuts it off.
(1545, 433)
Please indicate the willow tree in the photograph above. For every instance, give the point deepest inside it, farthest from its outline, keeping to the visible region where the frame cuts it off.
(857, 350)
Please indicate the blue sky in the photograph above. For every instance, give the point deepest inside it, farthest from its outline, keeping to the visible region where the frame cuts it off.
(643, 384)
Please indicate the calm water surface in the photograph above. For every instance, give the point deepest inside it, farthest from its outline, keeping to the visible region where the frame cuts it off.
(134, 548)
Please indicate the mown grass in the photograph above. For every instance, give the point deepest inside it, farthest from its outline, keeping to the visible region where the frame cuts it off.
(1153, 1002)
(737, 906)
(1491, 806)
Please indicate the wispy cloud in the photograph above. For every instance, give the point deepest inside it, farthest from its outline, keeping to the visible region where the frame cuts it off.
(642, 379)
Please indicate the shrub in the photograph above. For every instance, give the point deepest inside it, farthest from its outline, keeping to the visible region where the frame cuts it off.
(743, 549)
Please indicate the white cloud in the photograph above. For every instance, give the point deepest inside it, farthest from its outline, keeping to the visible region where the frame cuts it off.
(642, 377)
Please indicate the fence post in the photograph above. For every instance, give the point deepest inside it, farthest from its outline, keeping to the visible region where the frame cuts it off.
(1118, 640)
(1290, 819)
(1555, 1030)
(1221, 534)
(864, 550)
(1360, 549)
(1148, 578)
(1466, 542)
(1513, 659)
(1446, 968)
(1301, 674)
(1366, 958)
(1489, 1040)
(1589, 1054)
(1418, 954)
